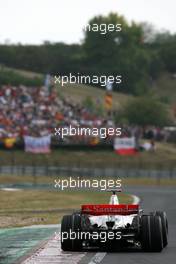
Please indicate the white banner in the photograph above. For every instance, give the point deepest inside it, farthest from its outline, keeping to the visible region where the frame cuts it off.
(37, 145)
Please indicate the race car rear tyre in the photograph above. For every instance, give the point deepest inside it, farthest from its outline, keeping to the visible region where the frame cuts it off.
(76, 228)
(164, 224)
(145, 233)
(156, 233)
(151, 233)
(66, 227)
(70, 233)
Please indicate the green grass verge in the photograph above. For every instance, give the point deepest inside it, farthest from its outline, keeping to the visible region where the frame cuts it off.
(29, 207)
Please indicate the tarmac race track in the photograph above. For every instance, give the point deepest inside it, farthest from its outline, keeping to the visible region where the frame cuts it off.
(152, 198)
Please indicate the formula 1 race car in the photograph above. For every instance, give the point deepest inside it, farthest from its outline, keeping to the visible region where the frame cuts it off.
(114, 226)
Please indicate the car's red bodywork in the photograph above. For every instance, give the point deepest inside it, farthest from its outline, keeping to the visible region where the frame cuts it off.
(109, 209)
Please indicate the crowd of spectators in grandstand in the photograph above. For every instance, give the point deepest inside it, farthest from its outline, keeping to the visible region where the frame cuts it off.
(36, 111)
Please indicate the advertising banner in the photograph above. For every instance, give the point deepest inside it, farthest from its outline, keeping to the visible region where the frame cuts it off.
(37, 145)
(125, 146)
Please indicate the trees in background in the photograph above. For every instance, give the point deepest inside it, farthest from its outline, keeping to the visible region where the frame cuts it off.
(118, 53)
(137, 52)
(145, 111)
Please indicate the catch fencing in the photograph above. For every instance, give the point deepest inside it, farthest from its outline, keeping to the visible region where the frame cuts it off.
(91, 171)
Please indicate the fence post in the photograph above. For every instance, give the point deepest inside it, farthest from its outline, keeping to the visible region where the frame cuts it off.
(34, 172)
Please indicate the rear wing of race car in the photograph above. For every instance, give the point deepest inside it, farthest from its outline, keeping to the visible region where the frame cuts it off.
(109, 209)
(114, 190)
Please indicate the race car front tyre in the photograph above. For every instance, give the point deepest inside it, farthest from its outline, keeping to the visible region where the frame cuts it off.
(164, 224)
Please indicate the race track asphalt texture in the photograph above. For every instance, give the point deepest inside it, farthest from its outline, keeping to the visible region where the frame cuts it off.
(152, 198)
